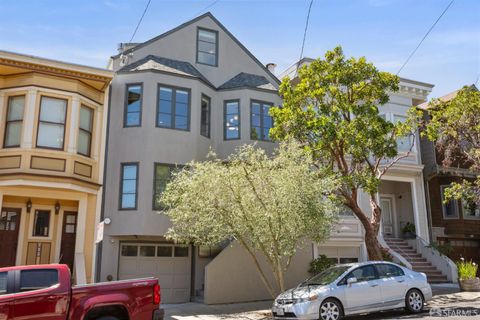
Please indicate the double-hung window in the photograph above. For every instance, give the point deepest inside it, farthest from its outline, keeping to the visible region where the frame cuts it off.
(260, 120)
(13, 124)
(173, 110)
(205, 116)
(231, 121)
(207, 47)
(51, 123)
(162, 175)
(133, 106)
(85, 129)
(129, 186)
(405, 143)
(450, 209)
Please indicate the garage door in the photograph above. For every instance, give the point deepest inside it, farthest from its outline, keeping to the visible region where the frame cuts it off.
(169, 263)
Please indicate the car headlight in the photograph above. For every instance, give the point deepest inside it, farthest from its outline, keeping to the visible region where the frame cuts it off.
(306, 299)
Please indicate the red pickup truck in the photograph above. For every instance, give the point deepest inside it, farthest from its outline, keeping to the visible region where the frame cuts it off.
(45, 292)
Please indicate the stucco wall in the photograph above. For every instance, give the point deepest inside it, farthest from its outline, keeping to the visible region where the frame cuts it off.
(233, 277)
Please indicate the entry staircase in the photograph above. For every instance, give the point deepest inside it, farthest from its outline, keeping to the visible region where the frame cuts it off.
(418, 262)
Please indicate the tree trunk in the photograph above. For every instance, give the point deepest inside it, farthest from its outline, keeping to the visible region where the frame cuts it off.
(373, 246)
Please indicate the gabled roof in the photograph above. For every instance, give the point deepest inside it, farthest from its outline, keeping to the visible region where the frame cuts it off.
(248, 80)
(207, 14)
(445, 98)
(178, 67)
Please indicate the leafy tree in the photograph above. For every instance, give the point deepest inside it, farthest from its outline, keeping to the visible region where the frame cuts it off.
(455, 128)
(269, 204)
(332, 110)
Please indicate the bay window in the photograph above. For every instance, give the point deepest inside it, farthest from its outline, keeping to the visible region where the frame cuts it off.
(51, 123)
(14, 122)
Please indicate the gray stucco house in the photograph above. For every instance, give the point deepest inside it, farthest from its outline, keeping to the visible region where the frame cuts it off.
(173, 98)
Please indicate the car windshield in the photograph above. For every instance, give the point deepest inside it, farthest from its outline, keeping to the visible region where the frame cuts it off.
(326, 276)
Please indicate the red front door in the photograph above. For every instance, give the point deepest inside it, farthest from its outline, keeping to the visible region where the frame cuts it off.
(9, 225)
(69, 231)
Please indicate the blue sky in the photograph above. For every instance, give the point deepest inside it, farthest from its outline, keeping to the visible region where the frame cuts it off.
(385, 31)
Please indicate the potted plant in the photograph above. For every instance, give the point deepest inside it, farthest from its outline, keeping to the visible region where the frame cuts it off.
(467, 275)
(408, 231)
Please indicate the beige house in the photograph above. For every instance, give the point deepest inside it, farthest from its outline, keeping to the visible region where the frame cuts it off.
(52, 136)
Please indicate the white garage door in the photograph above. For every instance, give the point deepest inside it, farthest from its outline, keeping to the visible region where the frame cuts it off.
(169, 263)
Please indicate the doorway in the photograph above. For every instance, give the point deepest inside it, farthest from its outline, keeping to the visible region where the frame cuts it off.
(69, 232)
(387, 204)
(9, 225)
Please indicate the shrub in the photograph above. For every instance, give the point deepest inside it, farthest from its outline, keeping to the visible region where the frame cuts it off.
(320, 264)
(466, 269)
(409, 227)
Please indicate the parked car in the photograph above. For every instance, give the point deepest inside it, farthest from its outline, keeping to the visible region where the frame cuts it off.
(45, 292)
(354, 288)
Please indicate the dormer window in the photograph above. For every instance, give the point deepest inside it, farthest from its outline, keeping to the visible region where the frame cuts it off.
(207, 47)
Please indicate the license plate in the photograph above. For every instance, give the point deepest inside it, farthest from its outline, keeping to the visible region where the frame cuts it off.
(280, 312)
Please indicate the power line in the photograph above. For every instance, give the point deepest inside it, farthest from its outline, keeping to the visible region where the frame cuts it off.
(306, 28)
(424, 37)
(140, 21)
(207, 7)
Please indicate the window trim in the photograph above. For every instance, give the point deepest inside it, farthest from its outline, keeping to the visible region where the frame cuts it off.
(125, 106)
(455, 203)
(225, 102)
(216, 46)
(465, 217)
(155, 164)
(204, 96)
(7, 122)
(92, 119)
(57, 123)
(271, 104)
(174, 99)
(120, 194)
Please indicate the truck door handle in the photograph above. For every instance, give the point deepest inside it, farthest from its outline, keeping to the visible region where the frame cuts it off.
(51, 298)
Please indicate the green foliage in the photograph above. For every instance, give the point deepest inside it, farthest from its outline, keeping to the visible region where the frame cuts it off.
(443, 249)
(332, 110)
(466, 269)
(320, 264)
(455, 127)
(269, 204)
(408, 227)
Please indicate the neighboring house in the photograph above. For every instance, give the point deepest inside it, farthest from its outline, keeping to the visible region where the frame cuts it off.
(174, 97)
(401, 195)
(53, 127)
(456, 223)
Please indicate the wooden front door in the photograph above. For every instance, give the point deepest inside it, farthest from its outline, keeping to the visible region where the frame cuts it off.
(388, 211)
(9, 225)
(69, 232)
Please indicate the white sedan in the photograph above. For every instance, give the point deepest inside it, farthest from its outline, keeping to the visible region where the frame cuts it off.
(354, 288)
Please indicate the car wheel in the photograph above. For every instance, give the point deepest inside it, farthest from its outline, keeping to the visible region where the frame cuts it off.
(331, 309)
(414, 301)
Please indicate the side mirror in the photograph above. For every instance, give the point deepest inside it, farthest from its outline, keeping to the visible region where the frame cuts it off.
(351, 280)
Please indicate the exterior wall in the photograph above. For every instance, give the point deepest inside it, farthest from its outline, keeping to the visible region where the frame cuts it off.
(46, 176)
(232, 276)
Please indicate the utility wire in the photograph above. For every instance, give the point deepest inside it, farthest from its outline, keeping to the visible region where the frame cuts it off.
(207, 7)
(140, 21)
(424, 37)
(306, 28)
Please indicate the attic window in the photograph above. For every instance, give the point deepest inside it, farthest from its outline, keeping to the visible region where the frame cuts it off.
(207, 47)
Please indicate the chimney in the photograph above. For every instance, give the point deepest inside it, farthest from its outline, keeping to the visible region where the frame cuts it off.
(271, 67)
(124, 46)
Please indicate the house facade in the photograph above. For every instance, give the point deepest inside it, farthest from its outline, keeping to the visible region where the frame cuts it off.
(457, 223)
(175, 97)
(53, 121)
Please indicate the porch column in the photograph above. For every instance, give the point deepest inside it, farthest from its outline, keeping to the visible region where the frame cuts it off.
(29, 120)
(80, 272)
(419, 208)
(72, 134)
